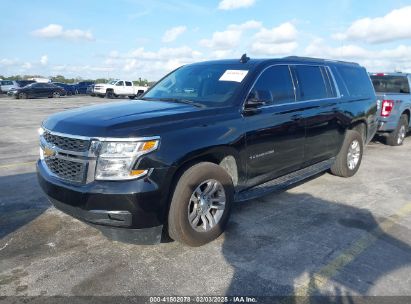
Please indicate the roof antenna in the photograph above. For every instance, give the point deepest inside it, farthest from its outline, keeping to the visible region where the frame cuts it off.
(244, 58)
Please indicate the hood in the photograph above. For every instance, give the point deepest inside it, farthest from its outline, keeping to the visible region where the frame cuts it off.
(122, 119)
(103, 85)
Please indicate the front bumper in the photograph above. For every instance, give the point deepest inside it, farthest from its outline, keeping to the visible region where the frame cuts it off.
(130, 211)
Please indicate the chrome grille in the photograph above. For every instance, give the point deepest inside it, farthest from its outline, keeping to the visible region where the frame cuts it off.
(66, 156)
(67, 143)
(66, 169)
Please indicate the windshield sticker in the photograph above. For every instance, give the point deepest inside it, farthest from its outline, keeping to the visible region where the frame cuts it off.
(233, 75)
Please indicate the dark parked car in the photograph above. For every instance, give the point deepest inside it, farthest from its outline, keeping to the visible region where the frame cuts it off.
(204, 136)
(69, 88)
(81, 87)
(37, 90)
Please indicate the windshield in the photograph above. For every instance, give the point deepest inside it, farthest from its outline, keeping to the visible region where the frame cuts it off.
(391, 84)
(212, 84)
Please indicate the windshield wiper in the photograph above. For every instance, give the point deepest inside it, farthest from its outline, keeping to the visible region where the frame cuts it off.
(177, 100)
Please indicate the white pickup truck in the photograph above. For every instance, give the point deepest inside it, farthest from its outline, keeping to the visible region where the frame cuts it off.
(117, 87)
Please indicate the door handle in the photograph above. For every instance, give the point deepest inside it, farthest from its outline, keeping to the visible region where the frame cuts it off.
(296, 117)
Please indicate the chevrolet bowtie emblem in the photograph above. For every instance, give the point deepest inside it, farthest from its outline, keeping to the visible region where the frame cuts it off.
(48, 152)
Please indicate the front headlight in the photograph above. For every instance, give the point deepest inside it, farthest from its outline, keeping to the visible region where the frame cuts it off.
(116, 159)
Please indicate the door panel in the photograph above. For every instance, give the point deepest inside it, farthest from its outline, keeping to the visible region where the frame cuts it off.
(317, 92)
(275, 140)
(275, 146)
(322, 131)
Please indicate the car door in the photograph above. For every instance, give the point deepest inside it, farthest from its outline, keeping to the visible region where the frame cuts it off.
(43, 90)
(275, 133)
(33, 90)
(119, 90)
(317, 92)
(129, 89)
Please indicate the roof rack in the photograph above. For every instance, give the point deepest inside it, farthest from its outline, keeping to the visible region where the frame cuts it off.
(316, 59)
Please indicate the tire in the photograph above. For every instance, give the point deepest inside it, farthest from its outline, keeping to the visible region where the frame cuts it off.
(182, 204)
(352, 149)
(22, 96)
(396, 138)
(56, 95)
(109, 94)
(131, 97)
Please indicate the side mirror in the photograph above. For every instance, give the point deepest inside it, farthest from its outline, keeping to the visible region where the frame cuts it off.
(254, 103)
(252, 106)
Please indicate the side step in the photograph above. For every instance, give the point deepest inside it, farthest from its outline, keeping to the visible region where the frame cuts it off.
(283, 182)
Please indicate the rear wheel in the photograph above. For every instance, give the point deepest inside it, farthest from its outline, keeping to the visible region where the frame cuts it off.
(396, 138)
(349, 158)
(56, 94)
(201, 204)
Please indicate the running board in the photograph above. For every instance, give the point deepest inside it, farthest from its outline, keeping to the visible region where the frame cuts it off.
(283, 182)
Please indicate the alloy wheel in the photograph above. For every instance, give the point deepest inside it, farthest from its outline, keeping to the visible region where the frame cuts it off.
(401, 135)
(354, 153)
(206, 206)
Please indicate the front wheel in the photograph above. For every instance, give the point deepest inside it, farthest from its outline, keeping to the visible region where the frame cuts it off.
(396, 138)
(56, 94)
(349, 158)
(22, 96)
(110, 94)
(201, 204)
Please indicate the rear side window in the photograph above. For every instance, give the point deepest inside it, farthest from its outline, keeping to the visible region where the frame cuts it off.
(357, 81)
(311, 82)
(391, 84)
(274, 86)
(129, 84)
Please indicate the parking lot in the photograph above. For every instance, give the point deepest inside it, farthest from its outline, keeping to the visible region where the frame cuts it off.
(328, 236)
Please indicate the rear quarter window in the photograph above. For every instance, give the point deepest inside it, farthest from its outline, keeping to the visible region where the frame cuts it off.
(357, 81)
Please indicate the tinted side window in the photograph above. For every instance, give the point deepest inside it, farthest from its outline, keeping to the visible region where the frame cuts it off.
(274, 86)
(311, 82)
(120, 83)
(128, 84)
(357, 81)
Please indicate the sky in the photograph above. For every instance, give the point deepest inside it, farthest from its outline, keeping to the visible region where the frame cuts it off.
(134, 38)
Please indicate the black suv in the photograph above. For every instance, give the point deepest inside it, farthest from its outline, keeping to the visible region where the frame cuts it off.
(206, 135)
